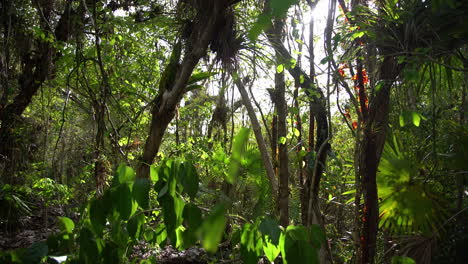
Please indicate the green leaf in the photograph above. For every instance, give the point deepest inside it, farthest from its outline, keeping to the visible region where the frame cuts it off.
(296, 247)
(124, 201)
(238, 150)
(66, 225)
(280, 68)
(189, 179)
(403, 260)
(134, 225)
(125, 174)
(153, 174)
(161, 235)
(34, 253)
(110, 253)
(97, 215)
(279, 8)
(196, 77)
(282, 140)
(270, 228)
(262, 23)
(89, 250)
(296, 132)
(271, 251)
(251, 244)
(407, 117)
(357, 35)
(141, 189)
(317, 236)
(172, 208)
(301, 79)
(326, 59)
(416, 118)
(212, 228)
(192, 215)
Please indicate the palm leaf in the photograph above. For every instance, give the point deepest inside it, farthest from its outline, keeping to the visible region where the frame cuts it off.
(406, 203)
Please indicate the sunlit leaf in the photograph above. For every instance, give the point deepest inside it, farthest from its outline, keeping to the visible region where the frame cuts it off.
(66, 224)
(280, 68)
(125, 174)
(271, 250)
(213, 228)
(238, 150)
(402, 260)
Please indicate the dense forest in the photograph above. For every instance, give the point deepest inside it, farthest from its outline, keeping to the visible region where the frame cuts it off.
(233, 131)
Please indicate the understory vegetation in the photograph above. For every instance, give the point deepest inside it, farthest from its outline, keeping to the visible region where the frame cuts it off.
(233, 131)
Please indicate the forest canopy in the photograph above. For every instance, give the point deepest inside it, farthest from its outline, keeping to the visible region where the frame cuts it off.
(233, 131)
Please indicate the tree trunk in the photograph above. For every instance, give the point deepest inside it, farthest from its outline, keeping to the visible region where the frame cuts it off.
(258, 136)
(283, 192)
(370, 147)
(37, 67)
(175, 78)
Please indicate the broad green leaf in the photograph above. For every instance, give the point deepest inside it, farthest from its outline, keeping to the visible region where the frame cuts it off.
(270, 228)
(416, 118)
(251, 244)
(192, 216)
(125, 174)
(97, 215)
(66, 225)
(410, 117)
(317, 236)
(134, 225)
(141, 189)
(295, 246)
(212, 228)
(153, 174)
(110, 253)
(172, 208)
(33, 254)
(189, 179)
(192, 87)
(89, 250)
(161, 235)
(238, 150)
(124, 202)
(271, 251)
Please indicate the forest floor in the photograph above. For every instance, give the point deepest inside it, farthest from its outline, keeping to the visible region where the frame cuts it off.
(38, 226)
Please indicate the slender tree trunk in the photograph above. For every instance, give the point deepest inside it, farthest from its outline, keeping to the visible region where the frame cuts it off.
(283, 158)
(259, 136)
(370, 147)
(100, 168)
